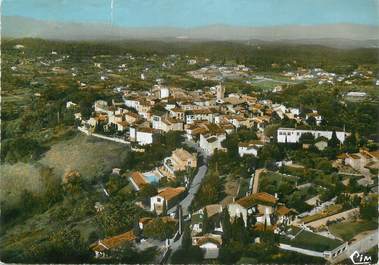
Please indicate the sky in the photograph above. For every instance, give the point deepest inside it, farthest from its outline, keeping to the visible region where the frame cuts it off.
(195, 13)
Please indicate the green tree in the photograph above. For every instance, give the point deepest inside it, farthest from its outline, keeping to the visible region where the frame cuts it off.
(159, 229)
(230, 253)
(334, 142)
(63, 246)
(306, 138)
(369, 208)
(239, 230)
(226, 226)
(146, 192)
(206, 222)
(117, 217)
(187, 239)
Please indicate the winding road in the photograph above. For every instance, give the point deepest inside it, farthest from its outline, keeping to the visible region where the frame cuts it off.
(187, 201)
(194, 188)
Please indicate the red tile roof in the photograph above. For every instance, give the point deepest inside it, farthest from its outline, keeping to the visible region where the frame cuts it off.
(170, 193)
(113, 242)
(257, 198)
(138, 178)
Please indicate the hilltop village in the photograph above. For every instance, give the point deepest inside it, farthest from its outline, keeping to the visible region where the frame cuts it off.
(206, 118)
(188, 158)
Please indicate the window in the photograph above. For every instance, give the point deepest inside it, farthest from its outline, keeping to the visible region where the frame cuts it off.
(158, 199)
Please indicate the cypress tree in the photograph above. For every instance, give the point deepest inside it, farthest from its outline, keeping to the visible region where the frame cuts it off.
(226, 226)
(187, 239)
(334, 142)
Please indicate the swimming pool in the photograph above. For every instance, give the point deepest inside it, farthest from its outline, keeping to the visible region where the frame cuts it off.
(152, 178)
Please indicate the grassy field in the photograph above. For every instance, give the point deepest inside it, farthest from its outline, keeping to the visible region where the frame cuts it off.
(348, 230)
(88, 155)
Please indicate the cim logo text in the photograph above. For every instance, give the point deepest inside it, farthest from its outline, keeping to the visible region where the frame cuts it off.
(358, 259)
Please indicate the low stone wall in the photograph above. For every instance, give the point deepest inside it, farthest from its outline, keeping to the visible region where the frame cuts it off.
(117, 140)
(302, 250)
(113, 139)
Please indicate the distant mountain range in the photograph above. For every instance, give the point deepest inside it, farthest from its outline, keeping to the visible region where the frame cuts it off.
(335, 35)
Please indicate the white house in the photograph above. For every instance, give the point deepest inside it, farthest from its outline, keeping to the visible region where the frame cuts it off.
(209, 143)
(261, 205)
(292, 135)
(168, 196)
(170, 124)
(156, 122)
(144, 136)
(102, 246)
(164, 92)
(315, 115)
(166, 124)
(131, 102)
(198, 115)
(249, 148)
(363, 160)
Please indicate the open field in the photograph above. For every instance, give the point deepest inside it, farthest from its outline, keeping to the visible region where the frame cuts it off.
(348, 230)
(90, 156)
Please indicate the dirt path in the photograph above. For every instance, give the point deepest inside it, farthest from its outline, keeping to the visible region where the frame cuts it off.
(258, 172)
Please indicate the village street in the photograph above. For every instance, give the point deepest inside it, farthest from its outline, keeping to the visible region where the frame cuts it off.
(187, 201)
(194, 187)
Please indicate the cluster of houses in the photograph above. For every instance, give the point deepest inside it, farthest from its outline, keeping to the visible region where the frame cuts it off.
(205, 117)
(324, 77)
(218, 73)
(260, 210)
